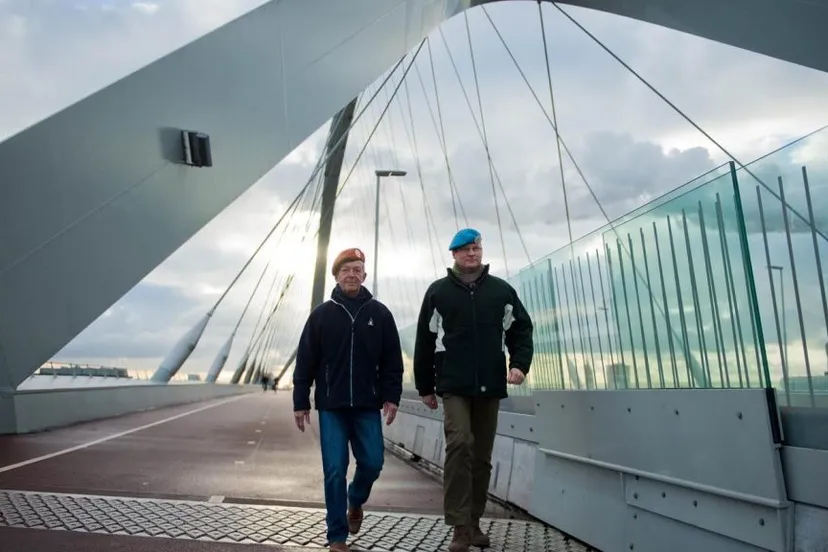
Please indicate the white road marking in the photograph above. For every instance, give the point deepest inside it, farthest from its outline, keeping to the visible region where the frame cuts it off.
(11, 467)
(216, 499)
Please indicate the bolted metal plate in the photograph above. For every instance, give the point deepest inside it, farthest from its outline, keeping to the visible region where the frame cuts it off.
(276, 525)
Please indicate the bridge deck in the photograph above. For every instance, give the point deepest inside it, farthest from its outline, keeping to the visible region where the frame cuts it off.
(209, 476)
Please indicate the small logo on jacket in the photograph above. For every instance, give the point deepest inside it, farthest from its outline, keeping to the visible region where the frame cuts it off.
(370, 321)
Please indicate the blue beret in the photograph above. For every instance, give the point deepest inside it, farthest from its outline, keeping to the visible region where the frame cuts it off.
(464, 237)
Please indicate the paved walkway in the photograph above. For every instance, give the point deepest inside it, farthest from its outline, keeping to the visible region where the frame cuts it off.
(220, 476)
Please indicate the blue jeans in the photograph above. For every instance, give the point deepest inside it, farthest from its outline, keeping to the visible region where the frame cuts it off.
(363, 429)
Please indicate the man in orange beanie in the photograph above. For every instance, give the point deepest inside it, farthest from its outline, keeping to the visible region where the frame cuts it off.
(350, 349)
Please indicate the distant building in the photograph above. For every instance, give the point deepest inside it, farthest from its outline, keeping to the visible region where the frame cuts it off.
(75, 370)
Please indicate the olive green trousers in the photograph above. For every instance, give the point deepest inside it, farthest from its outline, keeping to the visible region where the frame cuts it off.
(470, 426)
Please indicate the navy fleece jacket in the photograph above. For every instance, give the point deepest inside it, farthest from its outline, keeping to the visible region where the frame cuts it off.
(350, 350)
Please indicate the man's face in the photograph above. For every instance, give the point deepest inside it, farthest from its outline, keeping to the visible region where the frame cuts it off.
(350, 276)
(469, 257)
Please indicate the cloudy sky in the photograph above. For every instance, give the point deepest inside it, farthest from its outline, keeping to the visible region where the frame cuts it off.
(630, 145)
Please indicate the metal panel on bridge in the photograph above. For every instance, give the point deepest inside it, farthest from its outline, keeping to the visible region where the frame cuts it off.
(689, 469)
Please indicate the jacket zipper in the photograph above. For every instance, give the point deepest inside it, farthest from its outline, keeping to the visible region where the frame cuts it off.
(351, 360)
(476, 343)
(351, 382)
(471, 287)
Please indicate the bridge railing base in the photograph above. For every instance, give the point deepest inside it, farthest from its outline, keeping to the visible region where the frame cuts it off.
(39, 410)
(645, 470)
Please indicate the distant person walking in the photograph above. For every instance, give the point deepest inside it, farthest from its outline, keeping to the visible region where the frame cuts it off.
(467, 321)
(350, 350)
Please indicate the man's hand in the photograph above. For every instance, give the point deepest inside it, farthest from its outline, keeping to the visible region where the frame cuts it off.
(301, 417)
(430, 401)
(389, 410)
(516, 376)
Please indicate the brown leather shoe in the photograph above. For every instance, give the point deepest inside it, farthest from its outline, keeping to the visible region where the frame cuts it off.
(461, 539)
(355, 517)
(478, 538)
(340, 547)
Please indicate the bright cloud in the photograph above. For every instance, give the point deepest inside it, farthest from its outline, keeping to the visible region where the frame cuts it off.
(148, 8)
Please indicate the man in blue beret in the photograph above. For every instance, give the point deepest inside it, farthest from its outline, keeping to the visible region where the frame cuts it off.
(468, 321)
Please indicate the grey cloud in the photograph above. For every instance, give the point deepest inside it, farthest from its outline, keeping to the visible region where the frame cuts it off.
(763, 175)
(136, 327)
(623, 173)
(147, 322)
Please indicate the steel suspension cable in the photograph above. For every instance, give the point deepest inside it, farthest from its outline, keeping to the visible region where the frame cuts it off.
(285, 287)
(250, 299)
(486, 144)
(398, 291)
(557, 131)
(569, 154)
(371, 134)
(265, 306)
(686, 117)
(261, 314)
(452, 185)
(480, 133)
(406, 216)
(443, 145)
(321, 163)
(275, 332)
(292, 210)
(374, 129)
(548, 118)
(430, 226)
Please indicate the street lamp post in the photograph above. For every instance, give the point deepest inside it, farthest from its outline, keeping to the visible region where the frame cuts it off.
(380, 174)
